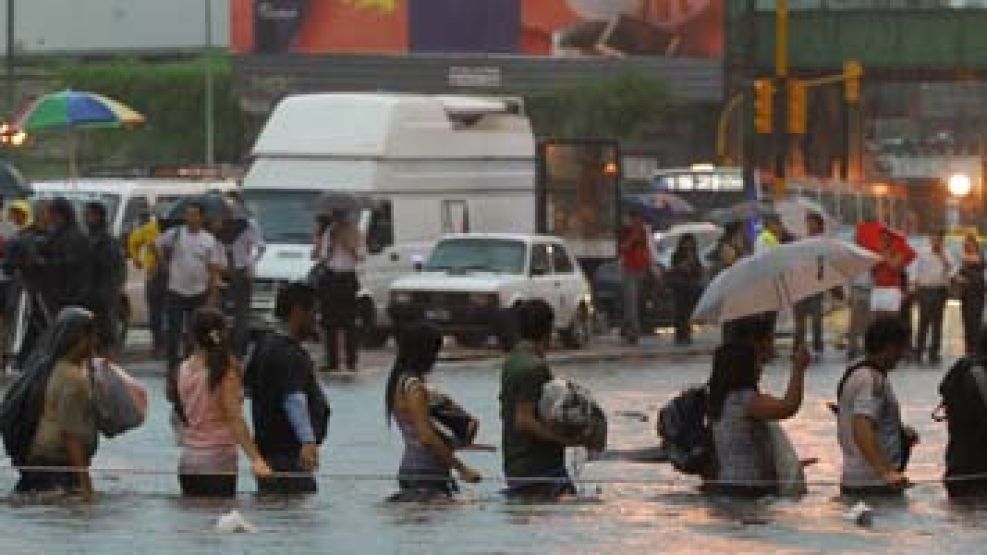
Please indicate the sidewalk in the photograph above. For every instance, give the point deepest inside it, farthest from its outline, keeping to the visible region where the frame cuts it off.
(603, 348)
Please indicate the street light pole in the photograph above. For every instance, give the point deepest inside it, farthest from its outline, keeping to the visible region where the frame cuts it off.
(209, 100)
(10, 76)
(781, 111)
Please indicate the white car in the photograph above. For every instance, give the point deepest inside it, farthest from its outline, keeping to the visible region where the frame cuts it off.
(472, 282)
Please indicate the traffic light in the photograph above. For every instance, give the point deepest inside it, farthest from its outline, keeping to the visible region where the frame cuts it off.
(764, 92)
(798, 112)
(852, 72)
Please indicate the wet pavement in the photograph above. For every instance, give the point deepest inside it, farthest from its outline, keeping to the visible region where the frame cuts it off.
(637, 508)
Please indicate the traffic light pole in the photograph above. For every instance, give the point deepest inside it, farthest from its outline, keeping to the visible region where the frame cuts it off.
(781, 97)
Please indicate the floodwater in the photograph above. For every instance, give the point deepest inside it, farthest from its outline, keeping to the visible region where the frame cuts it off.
(654, 510)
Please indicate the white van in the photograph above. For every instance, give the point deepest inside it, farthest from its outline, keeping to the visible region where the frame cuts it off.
(126, 200)
(433, 165)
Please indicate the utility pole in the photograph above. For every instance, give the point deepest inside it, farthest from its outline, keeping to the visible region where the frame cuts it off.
(209, 100)
(11, 78)
(781, 106)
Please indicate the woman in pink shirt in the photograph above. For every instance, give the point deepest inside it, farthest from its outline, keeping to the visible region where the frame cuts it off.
(210, 390)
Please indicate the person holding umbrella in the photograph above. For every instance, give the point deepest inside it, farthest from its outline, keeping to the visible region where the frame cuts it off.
(340, 251)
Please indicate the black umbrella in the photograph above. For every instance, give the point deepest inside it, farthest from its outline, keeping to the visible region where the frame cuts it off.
(215, 207)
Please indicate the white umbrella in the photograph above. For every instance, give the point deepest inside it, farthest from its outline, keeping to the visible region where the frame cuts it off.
(774, 280)
(794, 210)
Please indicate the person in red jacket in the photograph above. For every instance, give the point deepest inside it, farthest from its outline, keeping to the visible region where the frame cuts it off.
(637, 256)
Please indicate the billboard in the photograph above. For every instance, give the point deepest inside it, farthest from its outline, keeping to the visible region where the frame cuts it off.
(532, 27)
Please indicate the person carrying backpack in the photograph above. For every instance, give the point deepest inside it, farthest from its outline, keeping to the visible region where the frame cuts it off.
(874, 441)
(740, 413)
(964, 409)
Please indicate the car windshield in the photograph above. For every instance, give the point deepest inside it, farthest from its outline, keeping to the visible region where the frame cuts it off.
(79, 200)
(284, 216)
(478, 255)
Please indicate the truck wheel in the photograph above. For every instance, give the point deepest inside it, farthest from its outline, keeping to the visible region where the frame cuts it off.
(580, 331)
(507, 330)
(371, 337)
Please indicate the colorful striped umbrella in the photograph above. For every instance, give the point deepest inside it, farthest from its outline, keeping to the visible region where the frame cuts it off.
(70, 110)
(76, 109)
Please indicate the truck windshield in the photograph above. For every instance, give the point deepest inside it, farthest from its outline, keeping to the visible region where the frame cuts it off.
(284, 216)
(477, 255)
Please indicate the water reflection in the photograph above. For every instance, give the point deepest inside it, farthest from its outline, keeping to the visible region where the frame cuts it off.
(654, 510)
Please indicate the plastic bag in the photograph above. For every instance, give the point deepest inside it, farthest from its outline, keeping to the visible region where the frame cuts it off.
(121, 401)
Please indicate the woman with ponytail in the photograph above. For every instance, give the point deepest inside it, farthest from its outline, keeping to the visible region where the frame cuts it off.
(210, 388)
(425, 471)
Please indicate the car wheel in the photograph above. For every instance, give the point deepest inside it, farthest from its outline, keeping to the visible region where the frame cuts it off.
(371, 336)
(580, 331)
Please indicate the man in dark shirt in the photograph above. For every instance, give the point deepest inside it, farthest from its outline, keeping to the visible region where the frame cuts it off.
(531, 449)
(65, 258)
(108, 268)
(289, 409)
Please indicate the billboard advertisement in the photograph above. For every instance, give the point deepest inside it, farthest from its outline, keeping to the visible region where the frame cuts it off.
(532, 27)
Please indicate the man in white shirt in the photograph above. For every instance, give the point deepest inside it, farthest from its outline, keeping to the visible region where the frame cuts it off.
(194, 260)
(930, 275)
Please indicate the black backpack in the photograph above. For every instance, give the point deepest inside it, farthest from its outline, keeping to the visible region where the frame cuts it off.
(964, 409)
(683, 425)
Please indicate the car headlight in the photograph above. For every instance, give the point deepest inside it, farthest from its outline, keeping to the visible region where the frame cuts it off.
(401, 297)
(483, 299)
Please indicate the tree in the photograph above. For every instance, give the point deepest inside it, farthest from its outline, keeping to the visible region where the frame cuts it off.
(628, 106)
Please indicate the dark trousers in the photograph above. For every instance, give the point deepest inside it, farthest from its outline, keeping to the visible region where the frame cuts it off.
(106, 313)
(557, 484)
(809, 312)
(207, 485)
(32, 481)
(684, 302)
(972, 307)
(931, 307)
(155, 290)
(180, 309)
(238, 300)
(339, 316)
(286, 485)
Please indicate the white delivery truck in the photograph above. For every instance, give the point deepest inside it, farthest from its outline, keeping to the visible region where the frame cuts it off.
(432, 165)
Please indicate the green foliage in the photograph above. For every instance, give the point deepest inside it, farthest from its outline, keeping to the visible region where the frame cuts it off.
(629, 106)
(171, 95)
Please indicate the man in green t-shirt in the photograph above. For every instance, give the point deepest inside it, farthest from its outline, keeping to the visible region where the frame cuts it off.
(531, 449)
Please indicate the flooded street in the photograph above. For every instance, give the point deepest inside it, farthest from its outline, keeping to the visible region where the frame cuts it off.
(654, 509)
